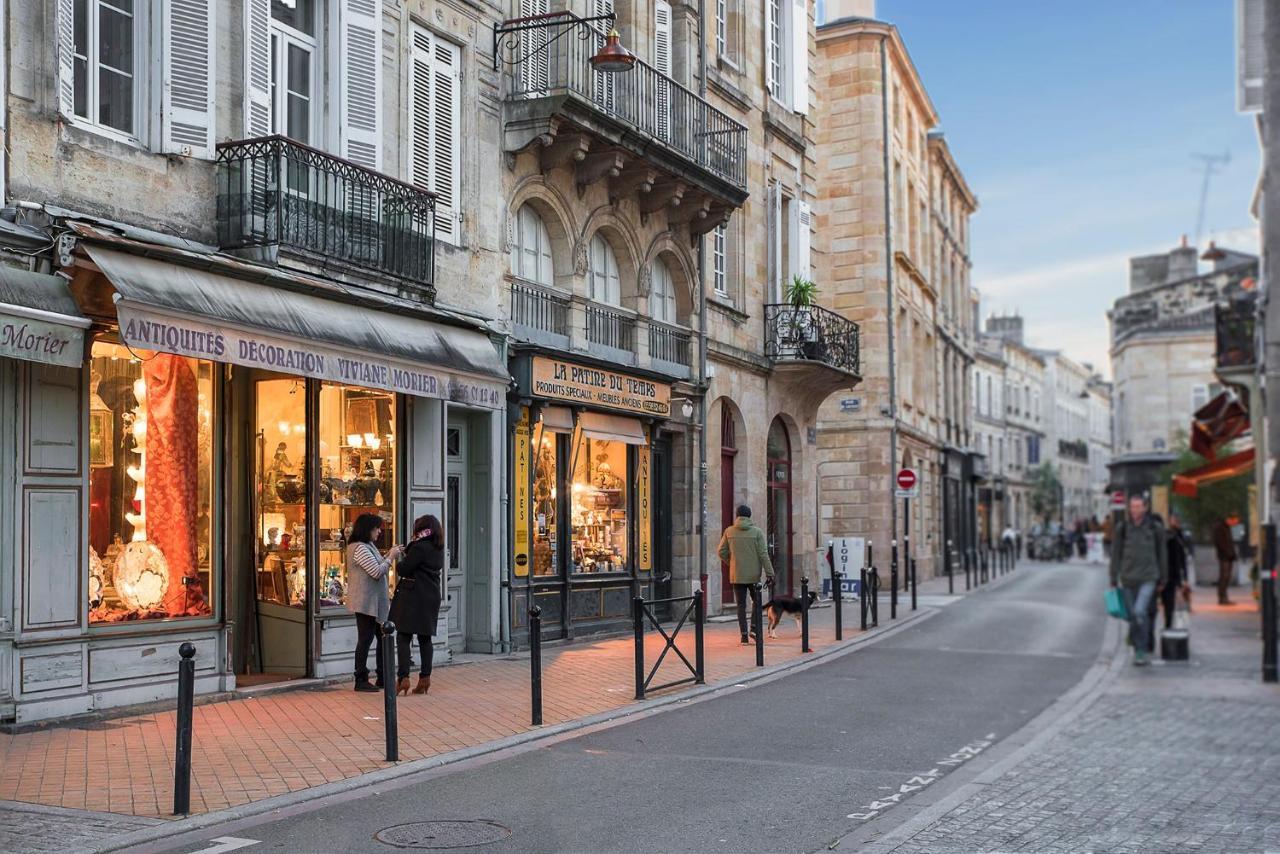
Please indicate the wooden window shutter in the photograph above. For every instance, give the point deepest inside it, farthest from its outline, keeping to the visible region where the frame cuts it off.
(436, 126)
(187, 38)
(66, 47)
(360, 81)
(257, 68)
(662, 61)
(800, 56)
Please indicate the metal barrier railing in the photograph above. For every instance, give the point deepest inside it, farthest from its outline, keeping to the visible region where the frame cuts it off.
(643, 611)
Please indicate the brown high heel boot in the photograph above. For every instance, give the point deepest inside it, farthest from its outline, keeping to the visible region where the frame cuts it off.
(424, 685)
(402, 685)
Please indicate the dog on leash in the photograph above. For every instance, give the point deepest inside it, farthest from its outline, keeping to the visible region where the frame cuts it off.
(783, 605)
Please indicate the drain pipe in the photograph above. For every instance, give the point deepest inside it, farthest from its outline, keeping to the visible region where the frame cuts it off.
(888, 272)
(702, 343)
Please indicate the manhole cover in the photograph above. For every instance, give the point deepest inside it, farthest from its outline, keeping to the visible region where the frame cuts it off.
(443, 834)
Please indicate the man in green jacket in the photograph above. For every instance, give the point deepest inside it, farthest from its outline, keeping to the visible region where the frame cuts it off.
(744, 548)
(1139, 568)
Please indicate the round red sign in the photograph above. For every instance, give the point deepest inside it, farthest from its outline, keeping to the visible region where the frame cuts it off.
(906, 479)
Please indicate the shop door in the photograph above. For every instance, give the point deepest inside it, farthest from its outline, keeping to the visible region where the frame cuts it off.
(455, 525)
(779, 523)
(728, 456)
(279, 575)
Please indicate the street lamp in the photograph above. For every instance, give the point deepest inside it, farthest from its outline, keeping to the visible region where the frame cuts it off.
(612, 58)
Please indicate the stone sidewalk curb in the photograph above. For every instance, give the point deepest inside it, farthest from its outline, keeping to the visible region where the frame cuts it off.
(543, 735)
(1006, 755)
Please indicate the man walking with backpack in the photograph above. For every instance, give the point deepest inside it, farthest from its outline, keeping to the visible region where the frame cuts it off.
(1139, 568)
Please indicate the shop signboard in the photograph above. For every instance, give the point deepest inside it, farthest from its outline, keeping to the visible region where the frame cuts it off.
(41, 341)
(563, 380)
(520, 524)
(848, 554)
(643, 494)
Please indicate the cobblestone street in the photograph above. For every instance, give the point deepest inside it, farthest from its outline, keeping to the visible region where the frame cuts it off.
(1170, 758)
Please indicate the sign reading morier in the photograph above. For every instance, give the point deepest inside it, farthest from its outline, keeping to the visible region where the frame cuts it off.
(556, 378)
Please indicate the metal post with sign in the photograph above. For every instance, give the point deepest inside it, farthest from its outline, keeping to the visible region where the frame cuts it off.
(908, 486)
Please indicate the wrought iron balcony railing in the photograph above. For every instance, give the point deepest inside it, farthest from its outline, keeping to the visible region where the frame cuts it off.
(277, 192)
(812, 334)
(670, 344)
(1234, 324)
(547, 63)
(536, 307)
(611, 328)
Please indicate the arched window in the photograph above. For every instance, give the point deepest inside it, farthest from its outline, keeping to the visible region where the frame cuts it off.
(605, 286)
(662, 294)
(531, 248)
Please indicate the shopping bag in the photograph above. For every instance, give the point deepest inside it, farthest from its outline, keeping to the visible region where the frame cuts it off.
(1115, 604)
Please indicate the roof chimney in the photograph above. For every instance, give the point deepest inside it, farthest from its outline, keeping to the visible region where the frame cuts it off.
(838, 9)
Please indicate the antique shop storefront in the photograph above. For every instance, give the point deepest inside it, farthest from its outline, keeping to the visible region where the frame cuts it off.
(193, 474)
(591, 484)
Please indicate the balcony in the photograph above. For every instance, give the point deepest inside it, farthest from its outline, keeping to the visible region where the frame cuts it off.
(282, 197)
(671, 349)
(815, 347)
(1234, 325)
(649, 136)
(540, 315)
(611, 333)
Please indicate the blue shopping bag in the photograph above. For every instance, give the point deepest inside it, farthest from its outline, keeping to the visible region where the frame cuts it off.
(1115, 603)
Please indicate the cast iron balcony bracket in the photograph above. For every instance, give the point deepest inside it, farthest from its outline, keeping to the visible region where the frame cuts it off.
(563, 21)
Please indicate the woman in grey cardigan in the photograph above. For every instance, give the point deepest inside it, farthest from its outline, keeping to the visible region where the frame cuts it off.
(367, 590)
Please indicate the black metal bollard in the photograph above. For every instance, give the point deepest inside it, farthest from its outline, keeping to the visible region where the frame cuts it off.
(699, 622)
(637, 617)
(875, 597)
(388, 666)
(893, 580)
(946, 557)
(186, 717)
(804, 614)
(862, 595)
(913, 584)
(1268, 593)
(535, 663)
(757, 621)
(967, 584)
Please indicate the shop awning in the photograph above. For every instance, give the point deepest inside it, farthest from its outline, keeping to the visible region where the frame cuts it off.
(1216, 423)
(612, 428)
(39, 320)
(193, 312)
(1189, 482)
(557, 419)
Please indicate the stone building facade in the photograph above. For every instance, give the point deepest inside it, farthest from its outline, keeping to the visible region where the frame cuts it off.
(875, 214)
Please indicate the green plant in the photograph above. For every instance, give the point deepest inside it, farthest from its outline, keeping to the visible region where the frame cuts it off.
(802, 292)
(1213, 501)
(1046, 491)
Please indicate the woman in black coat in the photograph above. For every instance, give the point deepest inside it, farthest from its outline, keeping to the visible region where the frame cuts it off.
(416, 605)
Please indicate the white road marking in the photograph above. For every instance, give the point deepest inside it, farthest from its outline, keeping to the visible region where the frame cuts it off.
(918, 782)
(227, 843)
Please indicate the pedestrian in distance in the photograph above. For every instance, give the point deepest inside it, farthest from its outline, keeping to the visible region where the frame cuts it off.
(415, 608)
(1108, 533)
(744, 548)
(1139, 569)
(1177, 583)
(367, 596)
(1225, 547)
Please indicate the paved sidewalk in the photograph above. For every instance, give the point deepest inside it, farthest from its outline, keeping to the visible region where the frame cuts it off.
(1172, 757)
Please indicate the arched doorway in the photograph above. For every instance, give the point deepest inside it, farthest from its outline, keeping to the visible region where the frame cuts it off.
(728, 455)
(778, 451)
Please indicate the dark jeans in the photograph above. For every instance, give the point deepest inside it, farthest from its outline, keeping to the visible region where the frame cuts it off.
(366, 633)
(403, 661)
(740, 592)
(1226, 569)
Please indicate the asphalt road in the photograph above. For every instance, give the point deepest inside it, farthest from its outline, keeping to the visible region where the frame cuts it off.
(789, 765)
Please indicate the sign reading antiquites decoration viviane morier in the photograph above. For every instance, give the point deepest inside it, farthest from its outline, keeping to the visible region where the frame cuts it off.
(563, 380)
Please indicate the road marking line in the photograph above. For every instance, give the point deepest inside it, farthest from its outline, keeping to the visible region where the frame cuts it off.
(227, 843)
(918, 782)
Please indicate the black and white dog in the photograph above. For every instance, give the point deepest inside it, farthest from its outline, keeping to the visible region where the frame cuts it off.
(790, 606)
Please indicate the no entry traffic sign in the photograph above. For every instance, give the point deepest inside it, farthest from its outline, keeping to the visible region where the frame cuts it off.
(908, 483)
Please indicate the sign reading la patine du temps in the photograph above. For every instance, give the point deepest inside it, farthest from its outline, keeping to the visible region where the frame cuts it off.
(563, 380)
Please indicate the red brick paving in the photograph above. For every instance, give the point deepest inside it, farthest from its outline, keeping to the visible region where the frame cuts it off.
(251, 748)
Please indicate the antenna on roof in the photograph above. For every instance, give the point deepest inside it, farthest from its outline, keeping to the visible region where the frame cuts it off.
(1211, 164)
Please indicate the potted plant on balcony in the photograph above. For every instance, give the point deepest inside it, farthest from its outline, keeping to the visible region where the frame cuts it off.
(801, 296)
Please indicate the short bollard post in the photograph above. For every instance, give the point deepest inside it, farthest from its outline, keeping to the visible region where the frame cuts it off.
(913, 583)
(837, 591)
(757, 623)
(946, 556)
(388, 665)
(186, 714)
(986, 568)
(875, 597)
(862, 595)
(699, 622)
(893, 580)
(1268, 594)
(804, 614)
(637, 617)
(966, 575)
(535, 664)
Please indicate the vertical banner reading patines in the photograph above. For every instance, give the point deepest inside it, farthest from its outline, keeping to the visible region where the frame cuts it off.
(644, 495)
(520, 524)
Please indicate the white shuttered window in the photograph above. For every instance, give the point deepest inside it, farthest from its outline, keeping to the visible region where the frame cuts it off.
(360, 81)
(662, 62)
(606, 286)
(186, 112)
(436, 139)
(531, 248)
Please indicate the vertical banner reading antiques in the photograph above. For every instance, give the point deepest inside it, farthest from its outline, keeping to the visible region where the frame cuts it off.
(520, 524)
(644, 493)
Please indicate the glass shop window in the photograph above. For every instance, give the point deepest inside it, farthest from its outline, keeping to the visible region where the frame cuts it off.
(280, 465)
(357, 475)
(150, 485)
(545, 478)
(599, 506)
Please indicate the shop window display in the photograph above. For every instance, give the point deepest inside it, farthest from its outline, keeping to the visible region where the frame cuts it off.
(150, 475)
(357, 475)
(599, 507)
(281, 449)
(545, 478)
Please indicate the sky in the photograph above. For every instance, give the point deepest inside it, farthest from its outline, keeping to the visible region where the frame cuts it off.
(1075, 125)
